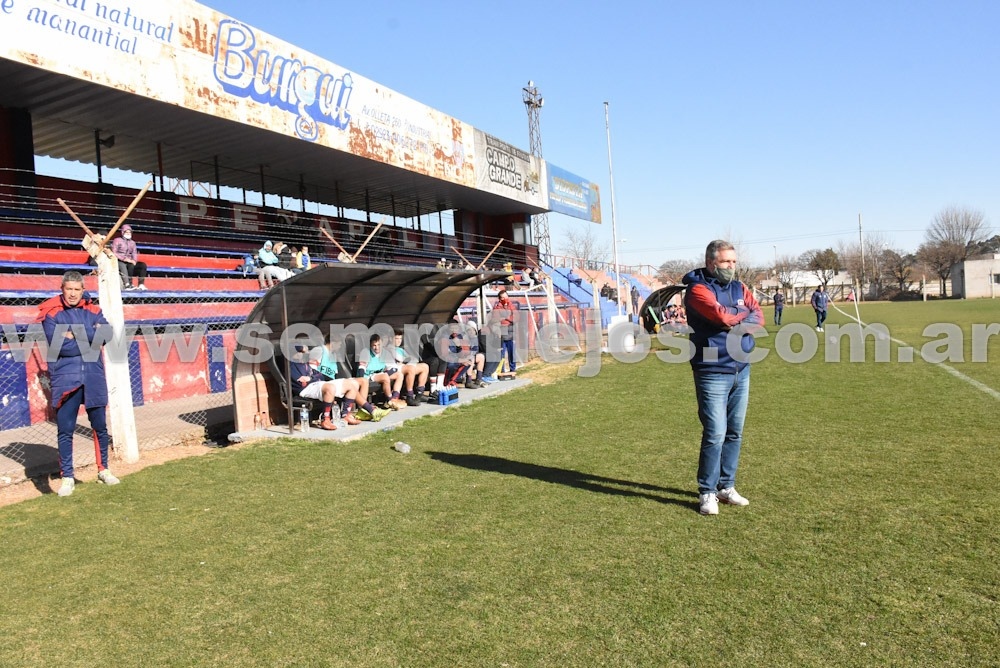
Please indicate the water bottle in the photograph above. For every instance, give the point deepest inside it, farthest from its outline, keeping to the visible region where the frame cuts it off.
(303, 419)
(399, 446)
(336, 417)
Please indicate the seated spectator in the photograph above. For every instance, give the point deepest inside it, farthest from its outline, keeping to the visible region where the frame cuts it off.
(442, 264)
(270, 273)
(534, 277)
(128, 260)
(286, 258)
(302, 260)
(249, 266)
(574, 279)
(308, 383)
(327, 361)
(606, 291)
(373, 367)
(415, 372)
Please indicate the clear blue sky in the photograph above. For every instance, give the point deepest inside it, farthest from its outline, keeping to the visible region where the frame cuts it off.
(778, 121)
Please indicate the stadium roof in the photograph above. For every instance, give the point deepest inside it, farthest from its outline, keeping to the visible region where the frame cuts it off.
(192, 94)
(66, 112)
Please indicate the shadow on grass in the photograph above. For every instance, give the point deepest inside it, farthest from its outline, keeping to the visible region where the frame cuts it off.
(568, 477)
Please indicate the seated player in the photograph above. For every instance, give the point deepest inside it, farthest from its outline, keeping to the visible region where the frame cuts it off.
(464, 359)
(373, 367)
(308, 383)
(415, 372)
(325, 360)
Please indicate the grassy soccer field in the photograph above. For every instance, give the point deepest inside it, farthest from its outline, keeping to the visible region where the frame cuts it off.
(556, 526)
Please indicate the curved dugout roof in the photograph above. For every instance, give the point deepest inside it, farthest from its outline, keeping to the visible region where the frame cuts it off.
(656, 302)
(345, 294)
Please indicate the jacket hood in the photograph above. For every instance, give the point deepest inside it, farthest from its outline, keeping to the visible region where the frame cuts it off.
(699, 275)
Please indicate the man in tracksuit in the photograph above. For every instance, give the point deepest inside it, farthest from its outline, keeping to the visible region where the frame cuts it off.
(720, 308)
(820, 300)
(76, 377)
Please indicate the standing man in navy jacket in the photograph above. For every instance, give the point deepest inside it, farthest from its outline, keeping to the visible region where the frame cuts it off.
(720, 308)
(76, 376)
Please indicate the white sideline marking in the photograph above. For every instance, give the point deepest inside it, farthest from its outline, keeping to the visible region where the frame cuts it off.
(982, 387)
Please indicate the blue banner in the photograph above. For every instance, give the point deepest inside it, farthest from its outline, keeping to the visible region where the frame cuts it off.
(573, 195)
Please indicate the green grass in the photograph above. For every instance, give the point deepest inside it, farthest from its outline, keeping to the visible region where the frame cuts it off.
(553, 526)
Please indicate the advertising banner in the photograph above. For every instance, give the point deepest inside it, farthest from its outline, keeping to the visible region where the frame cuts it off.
(189, 55)
(573, 195)
(506, 170)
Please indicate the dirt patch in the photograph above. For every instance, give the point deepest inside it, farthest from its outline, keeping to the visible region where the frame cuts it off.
(546, 374)
(36, 487)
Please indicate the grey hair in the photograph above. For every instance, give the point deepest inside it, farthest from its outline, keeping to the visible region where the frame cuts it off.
(712, 251)
(72, 277)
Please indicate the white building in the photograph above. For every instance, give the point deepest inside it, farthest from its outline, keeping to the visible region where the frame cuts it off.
(977, 278)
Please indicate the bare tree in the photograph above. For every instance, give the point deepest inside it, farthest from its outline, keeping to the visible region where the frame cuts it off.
(957, 227)
(784, 270)
(823, 263)
(940, 257)
(584, 247)
(874, 270)
(954, 234)
(671, 271)
(899, 268)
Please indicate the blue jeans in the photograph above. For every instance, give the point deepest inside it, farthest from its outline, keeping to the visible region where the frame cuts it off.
(507, 350)
(820, 317)
(722, 409)
(66, 423)
(777, 314)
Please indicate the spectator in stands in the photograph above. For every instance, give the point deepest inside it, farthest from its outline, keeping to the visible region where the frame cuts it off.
(415, 372)
(128, 259)
(442, 264)
(309, 383)
(606, 291)
(76, 378)
(504, 315)
(510, 278)
(573, 278)
(634, 294)
(373, 367)
(302, 260)
(269, 274)
(330, 361)
(535, 277)
(286, 258)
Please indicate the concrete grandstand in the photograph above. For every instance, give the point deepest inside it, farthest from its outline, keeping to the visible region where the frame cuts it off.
(245, 138)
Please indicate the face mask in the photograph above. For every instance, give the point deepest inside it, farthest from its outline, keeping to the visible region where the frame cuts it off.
(127, 235)
(725, 276)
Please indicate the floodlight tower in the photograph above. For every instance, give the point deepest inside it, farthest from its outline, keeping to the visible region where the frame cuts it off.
(533, 102)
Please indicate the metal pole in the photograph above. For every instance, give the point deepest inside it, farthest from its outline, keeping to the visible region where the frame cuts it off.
(288, 363)
(614, 221)
(861, 239)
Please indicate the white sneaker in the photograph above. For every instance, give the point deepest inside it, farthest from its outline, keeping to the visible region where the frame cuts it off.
(819, 329)
(67, 487)
(107, 477)
(708, 504)
(732, 497)
(141, 287)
